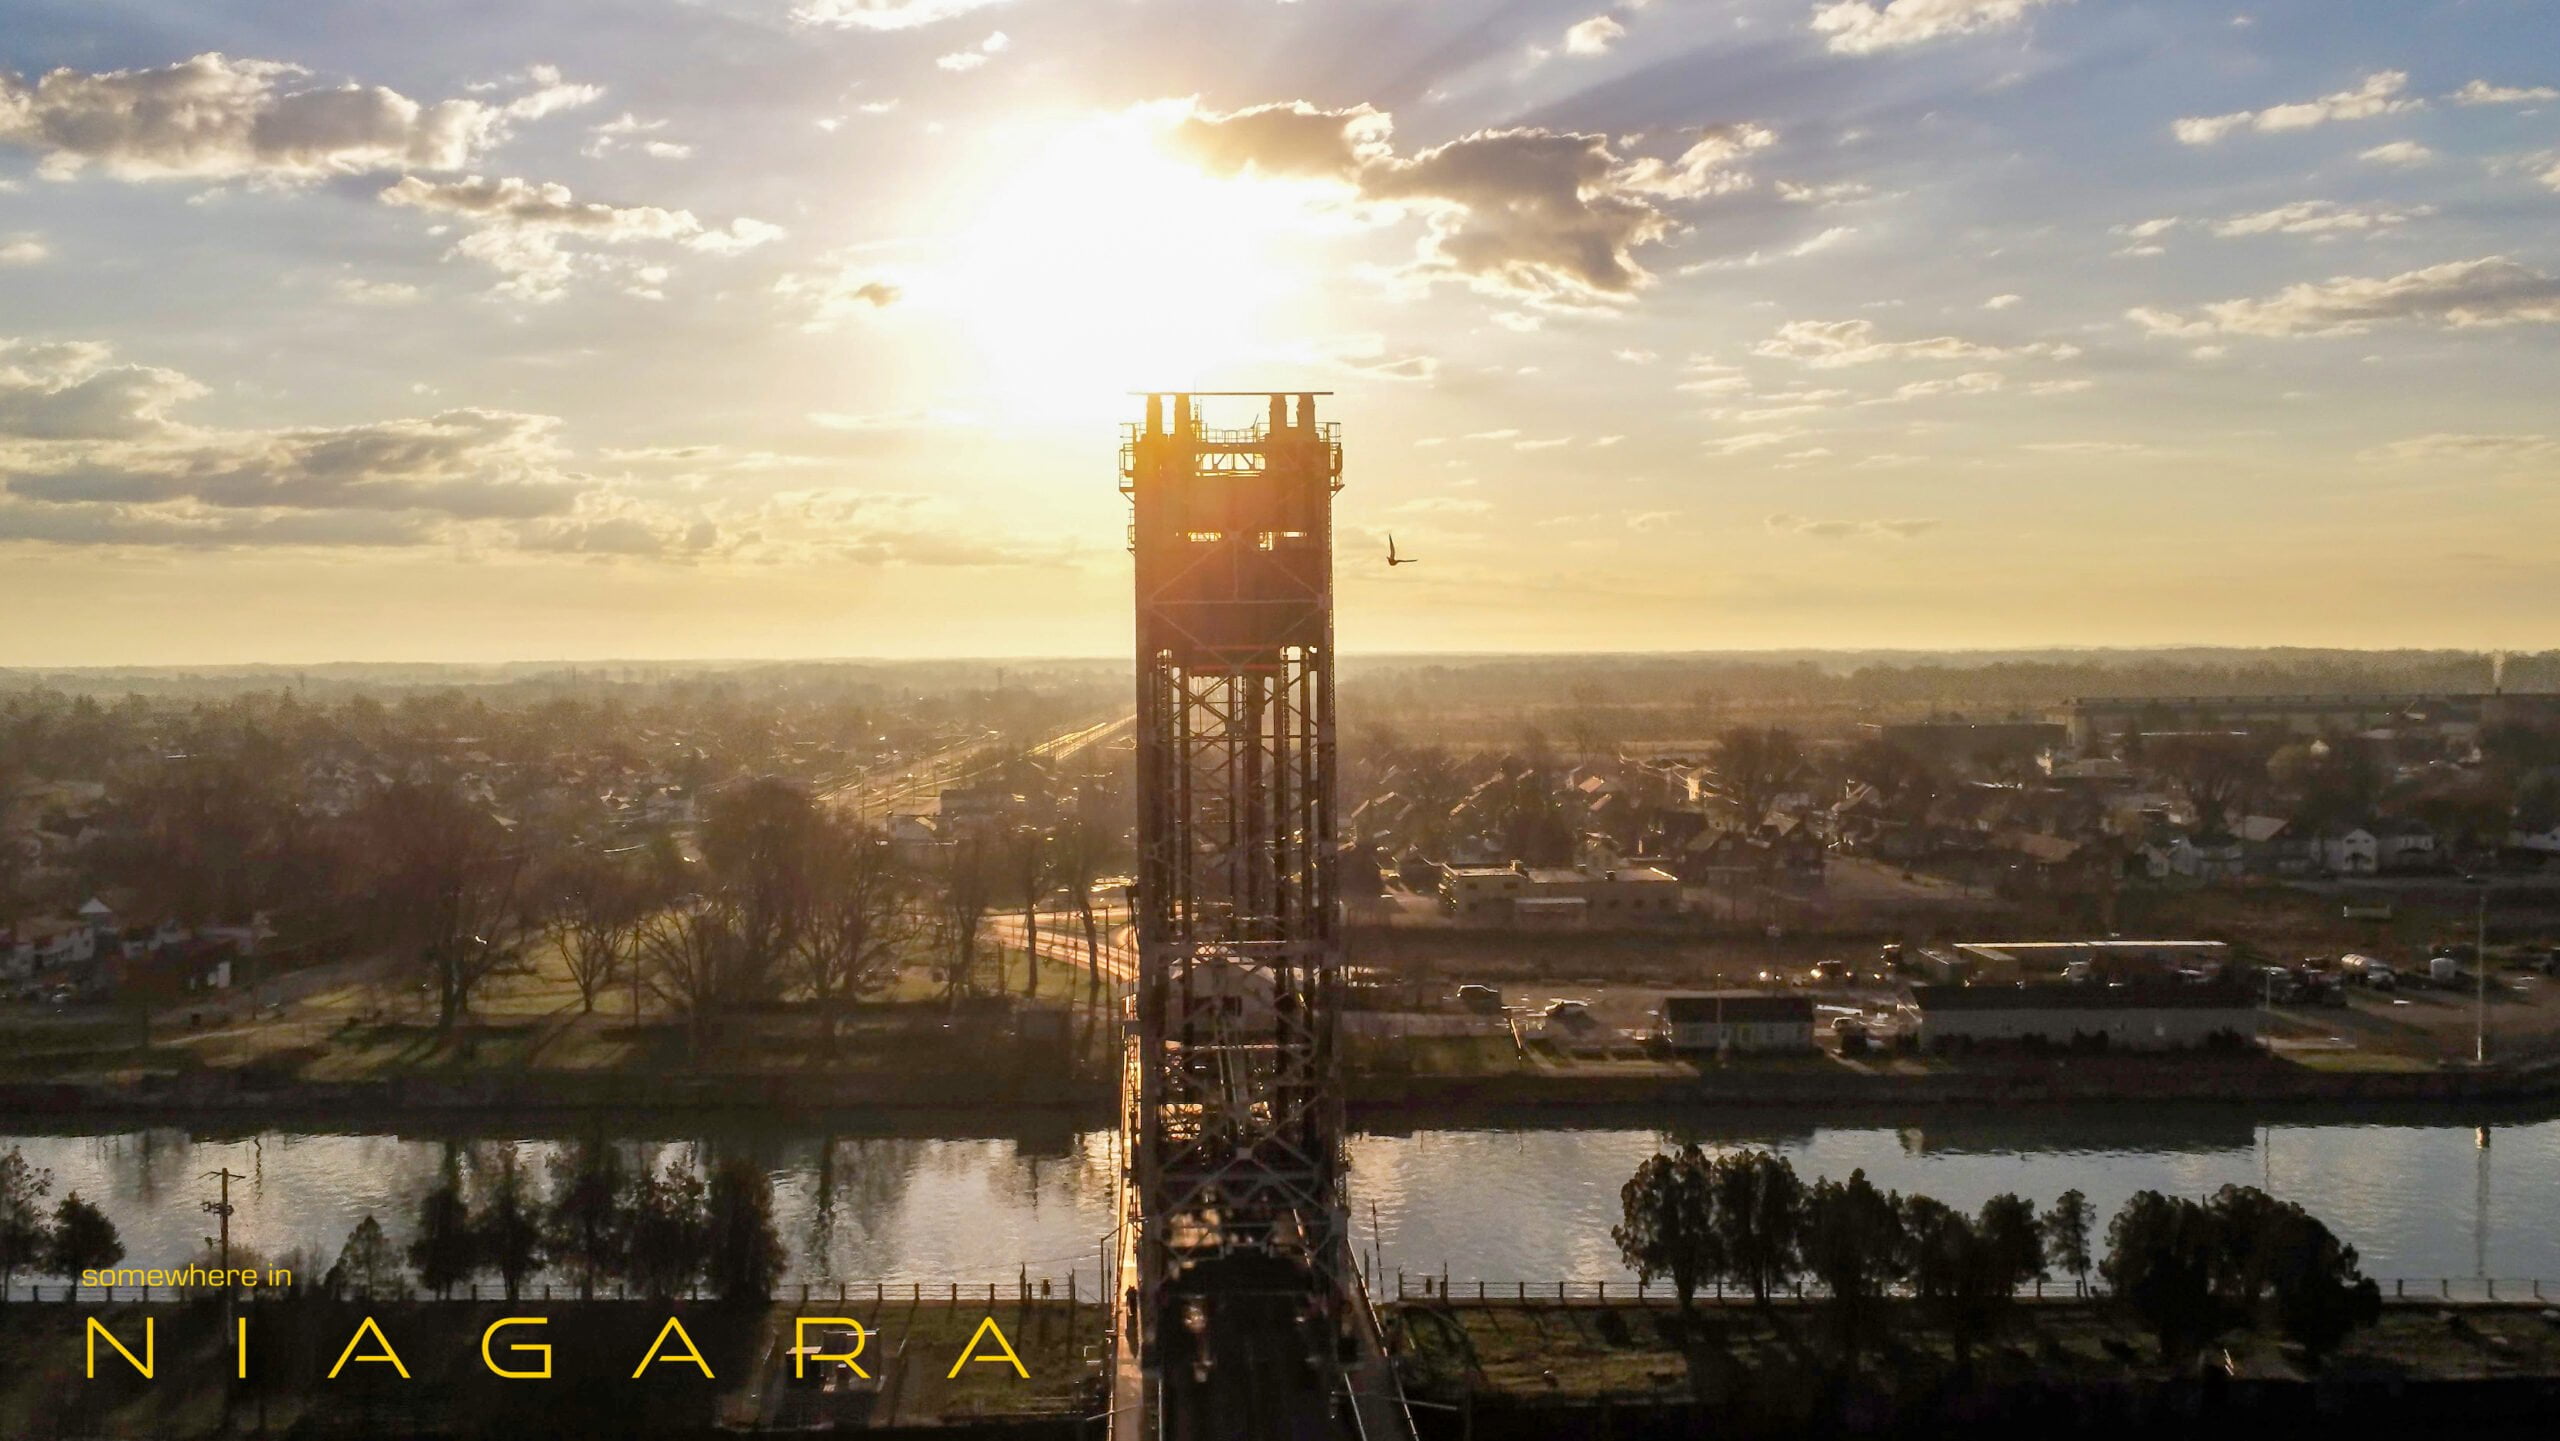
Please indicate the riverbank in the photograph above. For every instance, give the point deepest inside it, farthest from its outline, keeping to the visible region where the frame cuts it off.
(1507, 1369)
(1974, 1082)
(1069, 1095)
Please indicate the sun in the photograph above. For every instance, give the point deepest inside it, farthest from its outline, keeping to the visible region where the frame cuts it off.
(1091, 262)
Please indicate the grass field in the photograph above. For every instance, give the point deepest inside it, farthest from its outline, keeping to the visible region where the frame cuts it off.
(353, 1022)
(1590, 1349)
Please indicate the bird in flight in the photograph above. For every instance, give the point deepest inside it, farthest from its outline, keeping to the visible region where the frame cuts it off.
(1392, 557)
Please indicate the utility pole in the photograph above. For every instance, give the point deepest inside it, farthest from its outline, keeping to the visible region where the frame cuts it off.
(2480, 966)
(222, 1209)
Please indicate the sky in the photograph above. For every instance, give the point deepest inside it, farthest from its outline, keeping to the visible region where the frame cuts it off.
(581, 329)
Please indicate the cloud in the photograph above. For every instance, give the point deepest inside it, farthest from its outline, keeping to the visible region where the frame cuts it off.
(91, 453)
(520, 228)
(1898, 529)
(2463, 447)
(1836, 193)
(2145, 236)
(971, 59)
(2380, 94)
(1593, 36)
(550, 95)
(1811, 245)
(2318, 217)
(1370, 355)
(1548, 216)
(23, 248)
(1291, 140)
(202, 529)
(629, 130)
(2459, 295)
(462, 464)
(1831, 344)
(2481, 92)
(2002, 302)
(884, 14)
(91, 459)
(214, 117)
(1525, 214)
(831, 297)
(1972, 382)
(68, 391)
(2403, 154)
(1750, 441)
(357, 291)
(1863, 27)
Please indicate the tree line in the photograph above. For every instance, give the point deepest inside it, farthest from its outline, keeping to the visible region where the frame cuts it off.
(600, 1222)
(76, 1237)
(2186, 1270)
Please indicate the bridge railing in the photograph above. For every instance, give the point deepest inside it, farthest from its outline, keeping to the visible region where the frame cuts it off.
(1021, 1288)
(2460, 1290)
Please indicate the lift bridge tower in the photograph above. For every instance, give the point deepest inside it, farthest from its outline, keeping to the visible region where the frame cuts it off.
(1232, 1111)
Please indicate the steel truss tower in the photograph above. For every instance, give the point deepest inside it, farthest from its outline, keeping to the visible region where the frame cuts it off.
(1235, 1118)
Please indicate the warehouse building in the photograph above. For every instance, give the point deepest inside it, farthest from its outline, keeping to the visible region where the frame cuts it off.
(1738, 1021)
(2086, 1017)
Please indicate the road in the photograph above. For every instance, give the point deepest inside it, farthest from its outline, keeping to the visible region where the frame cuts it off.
(1062, 940)
(924, 781)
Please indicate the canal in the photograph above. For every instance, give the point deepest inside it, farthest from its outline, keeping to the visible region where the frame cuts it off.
(1502, 1204)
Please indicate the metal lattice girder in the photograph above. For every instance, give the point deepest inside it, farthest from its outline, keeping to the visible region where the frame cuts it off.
(1236, 1125)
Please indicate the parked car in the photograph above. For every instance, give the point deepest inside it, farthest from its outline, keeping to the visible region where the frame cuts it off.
(1568, 1013)
(1483, 1000)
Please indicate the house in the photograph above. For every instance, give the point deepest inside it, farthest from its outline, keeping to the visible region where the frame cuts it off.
(2353, 851)
(914, 839)
(2147, 1017)
(2274, 846)
(2401, 844)
(2545, 841)
(2194, 857)
(1724, 1022)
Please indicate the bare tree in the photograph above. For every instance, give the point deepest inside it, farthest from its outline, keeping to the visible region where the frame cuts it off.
(451, 880)
(1028, 865)
(964, 891)
(1587, 730)
(860, 921)
(1754, 766)
(2217, 773)
(595, 911)
(1077, 853)
(759, 840)
(688, 958)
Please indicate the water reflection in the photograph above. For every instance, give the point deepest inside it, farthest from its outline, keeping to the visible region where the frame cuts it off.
(1501, 1203)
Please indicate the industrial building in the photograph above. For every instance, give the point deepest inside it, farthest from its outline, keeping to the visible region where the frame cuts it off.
(2156, 1017)
(1738, 1021)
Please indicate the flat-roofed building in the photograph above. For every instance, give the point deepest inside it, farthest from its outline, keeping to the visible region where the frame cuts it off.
(1738, 1021)
(2107, 960)
(2156, 1017)
(1552, 895)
